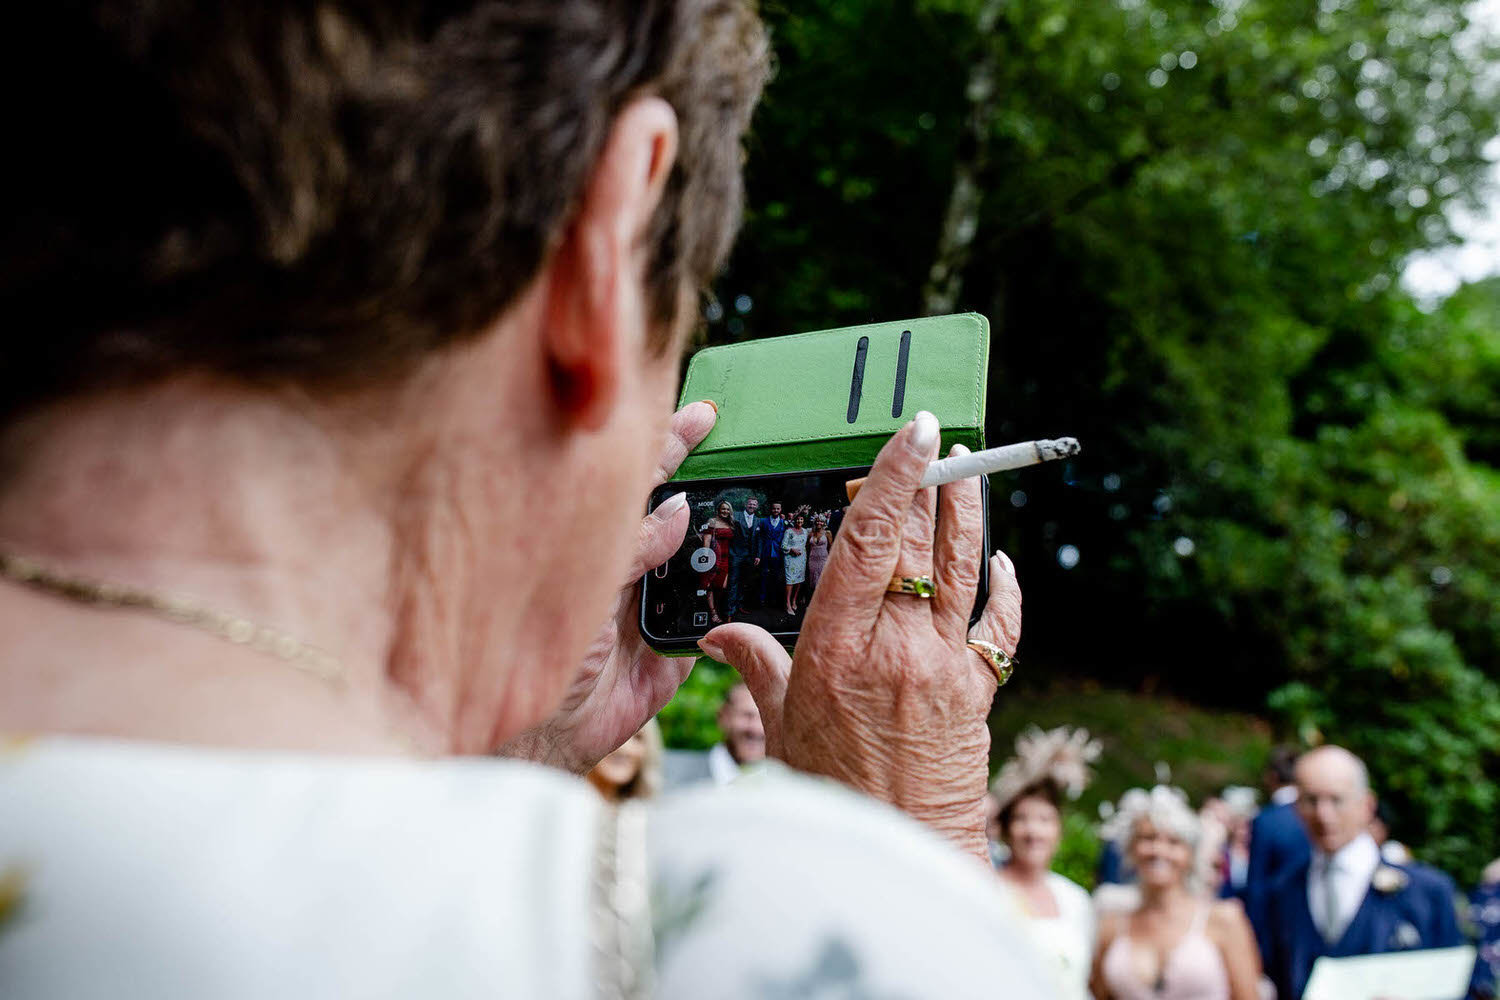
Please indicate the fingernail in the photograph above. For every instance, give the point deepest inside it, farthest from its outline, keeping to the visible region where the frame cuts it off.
(671, 505)
(1005, 561)
(711, 648)
(712, 404)
(924, 436)
(958, 449)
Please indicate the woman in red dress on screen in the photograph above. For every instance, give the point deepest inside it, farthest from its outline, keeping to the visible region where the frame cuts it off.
(716, 535)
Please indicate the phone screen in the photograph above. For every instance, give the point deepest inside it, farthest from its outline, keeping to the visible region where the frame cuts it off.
(754, 552)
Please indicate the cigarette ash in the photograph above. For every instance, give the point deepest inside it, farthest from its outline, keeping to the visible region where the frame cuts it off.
(1049, 451)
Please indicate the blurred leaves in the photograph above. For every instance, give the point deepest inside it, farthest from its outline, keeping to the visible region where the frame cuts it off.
(1193, 215)
(690, 721)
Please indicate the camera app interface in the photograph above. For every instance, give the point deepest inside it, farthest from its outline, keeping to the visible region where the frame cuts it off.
(754, 551)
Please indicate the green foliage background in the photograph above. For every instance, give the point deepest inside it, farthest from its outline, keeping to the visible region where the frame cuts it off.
(690, 721)
(1190, 224)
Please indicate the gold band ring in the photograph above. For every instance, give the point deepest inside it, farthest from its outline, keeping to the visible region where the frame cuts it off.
(917, 586)
(998, 660)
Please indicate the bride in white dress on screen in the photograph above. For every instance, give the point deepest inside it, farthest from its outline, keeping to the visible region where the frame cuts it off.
(1048, 768)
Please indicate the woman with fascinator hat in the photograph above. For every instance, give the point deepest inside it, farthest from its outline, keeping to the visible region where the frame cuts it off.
(1176, 943)
(1048, 768)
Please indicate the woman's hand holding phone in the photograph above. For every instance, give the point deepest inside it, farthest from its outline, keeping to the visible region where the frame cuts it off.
(883, 693)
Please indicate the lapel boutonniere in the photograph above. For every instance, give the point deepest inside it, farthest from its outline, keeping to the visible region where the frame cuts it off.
(1405, 937)
(1388, 880)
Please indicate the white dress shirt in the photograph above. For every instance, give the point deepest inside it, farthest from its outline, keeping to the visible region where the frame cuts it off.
(1352, 868)
(722, 767)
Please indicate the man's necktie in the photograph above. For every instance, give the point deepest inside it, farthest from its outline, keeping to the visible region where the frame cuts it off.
(1330, 903)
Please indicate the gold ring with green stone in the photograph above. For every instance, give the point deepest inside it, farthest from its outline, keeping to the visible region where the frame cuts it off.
(1001, 663)
(916, 586)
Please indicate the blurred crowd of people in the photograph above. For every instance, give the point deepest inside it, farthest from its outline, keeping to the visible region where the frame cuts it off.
(1231, 900)
(1228, 900)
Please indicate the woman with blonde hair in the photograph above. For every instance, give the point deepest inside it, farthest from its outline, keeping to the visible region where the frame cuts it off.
(1176, 944)
(818, 541)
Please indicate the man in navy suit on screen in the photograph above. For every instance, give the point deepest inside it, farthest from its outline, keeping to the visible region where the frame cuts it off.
(1345, 900)
(769, 532)
(743, 549)
(1278, 843)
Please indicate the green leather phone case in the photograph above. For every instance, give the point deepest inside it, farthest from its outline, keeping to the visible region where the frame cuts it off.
(831, 399)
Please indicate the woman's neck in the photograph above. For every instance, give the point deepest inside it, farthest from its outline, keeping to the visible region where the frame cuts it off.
(1025, 874)
(1162, 898)
(248, 504)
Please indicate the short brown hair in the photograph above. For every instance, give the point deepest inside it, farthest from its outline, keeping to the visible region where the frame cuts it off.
(1045, 789)
(294, 189)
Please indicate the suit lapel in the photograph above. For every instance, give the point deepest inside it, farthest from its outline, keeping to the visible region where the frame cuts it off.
(1306, 942)
(1367, 932)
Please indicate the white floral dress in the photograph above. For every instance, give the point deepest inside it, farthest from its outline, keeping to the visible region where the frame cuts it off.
(143, 870)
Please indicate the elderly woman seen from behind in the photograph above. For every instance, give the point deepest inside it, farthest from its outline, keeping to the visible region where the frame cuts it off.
(328, 401)
(1177, 944)
(1030, 789)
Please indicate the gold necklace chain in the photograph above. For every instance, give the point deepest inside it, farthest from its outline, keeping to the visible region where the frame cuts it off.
(187, 611)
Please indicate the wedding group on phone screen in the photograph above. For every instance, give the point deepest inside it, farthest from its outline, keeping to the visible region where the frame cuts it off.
(758, 559)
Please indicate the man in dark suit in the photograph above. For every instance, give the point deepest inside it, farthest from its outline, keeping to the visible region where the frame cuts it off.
(770, 531)
(1345, 900)
(1278, 843)
(742, 552)
(1484, 914)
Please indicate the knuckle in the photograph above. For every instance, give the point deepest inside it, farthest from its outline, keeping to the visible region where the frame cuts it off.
(962, 566)
(966, 506)
(870, 539)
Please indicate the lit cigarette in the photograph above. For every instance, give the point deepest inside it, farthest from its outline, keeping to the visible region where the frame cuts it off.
(980, 463)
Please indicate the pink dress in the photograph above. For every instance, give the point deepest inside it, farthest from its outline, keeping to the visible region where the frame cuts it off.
(1193, 970)
(817, 556)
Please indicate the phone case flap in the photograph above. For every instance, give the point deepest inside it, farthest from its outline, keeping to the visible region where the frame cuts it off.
(831, 399)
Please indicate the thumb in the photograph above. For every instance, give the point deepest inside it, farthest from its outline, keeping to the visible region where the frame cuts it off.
(660, 535)
(764, 665)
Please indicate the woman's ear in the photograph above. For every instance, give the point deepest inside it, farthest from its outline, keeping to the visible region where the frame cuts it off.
(597, 316)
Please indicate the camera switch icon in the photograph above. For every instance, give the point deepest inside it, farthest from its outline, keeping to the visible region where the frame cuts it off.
(700, 619)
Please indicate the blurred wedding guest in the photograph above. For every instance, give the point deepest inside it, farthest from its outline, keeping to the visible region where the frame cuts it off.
(633, 771)
(794, 566)
(307, 306)
(1346, 900)
(1278, 842)
(1048, 768)
(744, 736)
(742, 549)
(744, 743)
(768, 557)
(1178, 943)
(1213, 840)
(717, 536)
(1111, 868)
(1484, 915)
(817, 550)
(1238, 813)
